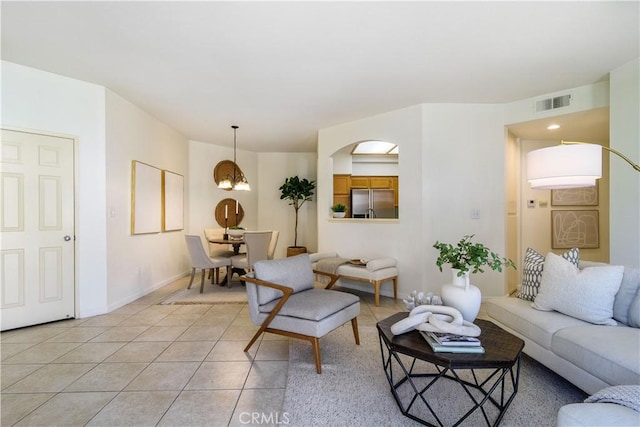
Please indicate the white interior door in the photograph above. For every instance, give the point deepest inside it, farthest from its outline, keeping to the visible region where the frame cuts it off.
(36, 228)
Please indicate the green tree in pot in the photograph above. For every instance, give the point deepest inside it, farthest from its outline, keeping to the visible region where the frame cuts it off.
(297, 191)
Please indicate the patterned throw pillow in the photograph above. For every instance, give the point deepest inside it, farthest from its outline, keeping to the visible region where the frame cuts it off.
(532, 271)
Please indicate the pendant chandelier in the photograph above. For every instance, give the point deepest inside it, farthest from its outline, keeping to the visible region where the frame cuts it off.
(238, 181)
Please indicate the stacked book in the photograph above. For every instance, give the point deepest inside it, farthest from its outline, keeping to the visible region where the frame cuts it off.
(451, 343)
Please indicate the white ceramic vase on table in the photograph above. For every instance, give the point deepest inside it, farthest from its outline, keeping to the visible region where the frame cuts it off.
(461, 295)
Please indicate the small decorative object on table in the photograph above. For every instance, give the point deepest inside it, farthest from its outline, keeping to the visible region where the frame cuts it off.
(416, 298)
(465, 258)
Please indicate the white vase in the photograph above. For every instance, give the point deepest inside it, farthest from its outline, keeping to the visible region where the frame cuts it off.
(461, 295)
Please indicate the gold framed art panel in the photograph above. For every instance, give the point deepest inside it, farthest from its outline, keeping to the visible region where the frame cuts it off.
(172, 201)
(585, 196)
(146, 198)
(575, 228)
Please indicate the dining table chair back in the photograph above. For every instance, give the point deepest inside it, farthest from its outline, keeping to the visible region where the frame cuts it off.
(200, 259)
(216, 249)
(273, 243)
(257, 246)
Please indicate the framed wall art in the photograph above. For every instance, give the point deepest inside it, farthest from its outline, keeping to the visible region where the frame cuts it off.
(587, 196)
(575, 229)
(172, 201)
(146, 198)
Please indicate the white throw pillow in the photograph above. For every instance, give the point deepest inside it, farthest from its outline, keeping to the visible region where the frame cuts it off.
(584, 294)
(532, 271)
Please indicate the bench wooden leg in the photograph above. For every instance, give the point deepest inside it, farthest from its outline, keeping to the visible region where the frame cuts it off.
(376, 290)
(395, 288)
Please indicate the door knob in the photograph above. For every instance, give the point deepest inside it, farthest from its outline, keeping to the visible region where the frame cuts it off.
(67, 238)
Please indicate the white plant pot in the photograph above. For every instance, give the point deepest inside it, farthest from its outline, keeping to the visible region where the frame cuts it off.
(463, 296)
(236, 234)
(339, 214)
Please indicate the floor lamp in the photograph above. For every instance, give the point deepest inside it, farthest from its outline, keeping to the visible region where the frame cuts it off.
(572, 164)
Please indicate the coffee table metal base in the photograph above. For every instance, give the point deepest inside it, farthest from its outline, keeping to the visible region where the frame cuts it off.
(493, 383)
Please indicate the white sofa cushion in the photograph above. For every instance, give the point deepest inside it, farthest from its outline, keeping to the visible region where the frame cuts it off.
(584, 294)
(538, 326)
(597, 414)
(608, 352)
(634, 311)
(533, 266)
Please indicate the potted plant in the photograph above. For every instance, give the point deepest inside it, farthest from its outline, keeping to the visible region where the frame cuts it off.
(339, 210)
(236, 231)
(297, 191)
(466, 257)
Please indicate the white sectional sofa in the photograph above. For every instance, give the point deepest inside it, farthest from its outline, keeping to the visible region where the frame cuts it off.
(588, 355)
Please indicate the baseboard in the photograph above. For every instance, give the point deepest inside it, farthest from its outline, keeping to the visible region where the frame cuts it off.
(130, 298)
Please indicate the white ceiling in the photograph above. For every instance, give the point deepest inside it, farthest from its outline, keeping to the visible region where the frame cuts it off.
(283, 70)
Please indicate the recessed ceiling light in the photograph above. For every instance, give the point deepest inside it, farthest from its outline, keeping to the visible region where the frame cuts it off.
(553, 127)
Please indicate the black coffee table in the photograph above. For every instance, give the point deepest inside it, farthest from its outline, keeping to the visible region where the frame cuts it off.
(489, 380)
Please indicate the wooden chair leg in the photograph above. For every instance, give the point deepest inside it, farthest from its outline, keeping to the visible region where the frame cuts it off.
(255, 337)
(217, 275)
(315, 342)
(354, 326)
(228, 276)
(193, 273)
(204, 272)
(376, 287)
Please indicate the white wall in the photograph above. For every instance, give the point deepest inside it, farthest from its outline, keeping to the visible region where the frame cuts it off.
(441, 181)
(625, 182)
(137, 264)
(37, 100)
(463, 159)
(276, 214)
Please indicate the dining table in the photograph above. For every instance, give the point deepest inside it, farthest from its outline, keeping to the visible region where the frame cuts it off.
(235, 243)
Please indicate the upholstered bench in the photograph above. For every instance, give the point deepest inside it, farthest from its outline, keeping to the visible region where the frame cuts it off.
(375, 271)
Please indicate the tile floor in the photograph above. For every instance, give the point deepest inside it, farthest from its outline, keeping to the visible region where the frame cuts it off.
(147, 364)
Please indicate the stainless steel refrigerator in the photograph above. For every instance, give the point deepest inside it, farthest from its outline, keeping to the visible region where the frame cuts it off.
(373, 203)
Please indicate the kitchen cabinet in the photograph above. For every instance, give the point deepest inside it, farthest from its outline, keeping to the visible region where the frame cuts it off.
(341, 190)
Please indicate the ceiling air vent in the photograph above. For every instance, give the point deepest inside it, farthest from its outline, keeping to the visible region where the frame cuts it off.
(553, 103)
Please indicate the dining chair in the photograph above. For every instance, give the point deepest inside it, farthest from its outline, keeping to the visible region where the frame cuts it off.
(257, 246)
(273, 243)
(283, 299)
(216, 249)
(200, 259)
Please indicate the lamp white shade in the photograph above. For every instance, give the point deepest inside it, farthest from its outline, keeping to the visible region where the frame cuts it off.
(564, 166)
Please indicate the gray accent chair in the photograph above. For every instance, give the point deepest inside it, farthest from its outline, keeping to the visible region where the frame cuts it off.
(200, 259)
(283, 300)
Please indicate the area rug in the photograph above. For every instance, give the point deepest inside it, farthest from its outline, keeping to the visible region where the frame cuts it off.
(212, 294)
(353, 390)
